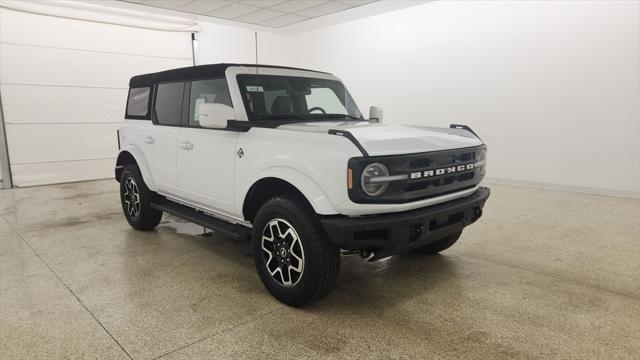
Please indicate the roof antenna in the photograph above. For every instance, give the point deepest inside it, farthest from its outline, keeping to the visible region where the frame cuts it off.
(194, 45)
(255, 109)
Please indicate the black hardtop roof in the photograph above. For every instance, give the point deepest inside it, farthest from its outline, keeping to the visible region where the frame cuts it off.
(193, 73)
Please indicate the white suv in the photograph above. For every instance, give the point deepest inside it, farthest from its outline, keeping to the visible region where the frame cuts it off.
(283, 156)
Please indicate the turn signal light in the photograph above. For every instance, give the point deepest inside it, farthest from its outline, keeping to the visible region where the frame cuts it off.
(349, 178)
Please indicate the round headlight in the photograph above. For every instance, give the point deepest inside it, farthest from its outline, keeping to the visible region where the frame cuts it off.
(371, 184)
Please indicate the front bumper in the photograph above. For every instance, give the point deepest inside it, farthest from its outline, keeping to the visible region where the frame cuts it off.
(388, 234)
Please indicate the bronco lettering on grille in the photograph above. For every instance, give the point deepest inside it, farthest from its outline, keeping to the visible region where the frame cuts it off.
(441, 171)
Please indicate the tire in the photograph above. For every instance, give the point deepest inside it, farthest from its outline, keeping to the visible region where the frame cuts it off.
(438, 246)
(140, 215)
(285, 230)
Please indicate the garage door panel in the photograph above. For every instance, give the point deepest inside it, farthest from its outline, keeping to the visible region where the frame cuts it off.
(37, 65)
(24, 104)
(61, 141)
(64, 85)
(63, 171)
(19, 28)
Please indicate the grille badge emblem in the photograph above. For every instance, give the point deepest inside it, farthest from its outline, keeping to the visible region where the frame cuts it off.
(441, 171)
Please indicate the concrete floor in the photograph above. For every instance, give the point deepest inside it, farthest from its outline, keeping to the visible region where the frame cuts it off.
(545, 274)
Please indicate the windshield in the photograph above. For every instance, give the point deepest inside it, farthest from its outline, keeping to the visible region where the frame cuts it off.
(269, 97)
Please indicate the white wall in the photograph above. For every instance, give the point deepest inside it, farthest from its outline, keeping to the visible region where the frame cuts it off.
(553, 87)
(222, 43)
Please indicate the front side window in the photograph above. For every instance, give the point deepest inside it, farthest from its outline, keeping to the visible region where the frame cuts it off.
(168, 107)
(213, 91)
(138, 102)
(274, 97)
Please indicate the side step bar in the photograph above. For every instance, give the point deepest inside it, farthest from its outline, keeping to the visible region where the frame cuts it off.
(235, 231)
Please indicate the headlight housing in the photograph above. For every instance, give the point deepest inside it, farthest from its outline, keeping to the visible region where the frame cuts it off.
(370, 182)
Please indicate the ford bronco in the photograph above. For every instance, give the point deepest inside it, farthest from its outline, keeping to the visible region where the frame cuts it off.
(284, 158)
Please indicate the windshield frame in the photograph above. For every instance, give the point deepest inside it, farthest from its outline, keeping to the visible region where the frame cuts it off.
(242, 77)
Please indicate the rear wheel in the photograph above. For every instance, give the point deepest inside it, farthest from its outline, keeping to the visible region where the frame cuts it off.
(136, 200)
(296, 261)
(440, 245)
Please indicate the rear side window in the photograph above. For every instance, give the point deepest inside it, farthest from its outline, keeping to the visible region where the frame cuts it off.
(138, 103)
(168, 107)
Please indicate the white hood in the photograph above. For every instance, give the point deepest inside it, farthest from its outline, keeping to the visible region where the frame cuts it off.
(383, 139)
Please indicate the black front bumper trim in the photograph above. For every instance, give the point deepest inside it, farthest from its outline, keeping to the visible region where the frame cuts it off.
(388, 234)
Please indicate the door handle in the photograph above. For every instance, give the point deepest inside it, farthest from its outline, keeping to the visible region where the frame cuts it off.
(149, 140)
(186, 145)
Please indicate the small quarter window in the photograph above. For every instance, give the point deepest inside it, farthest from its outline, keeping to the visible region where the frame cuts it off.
(213, 91)
(138, 103)
(168, 108)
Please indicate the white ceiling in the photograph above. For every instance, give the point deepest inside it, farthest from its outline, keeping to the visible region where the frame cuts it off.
(268, 13)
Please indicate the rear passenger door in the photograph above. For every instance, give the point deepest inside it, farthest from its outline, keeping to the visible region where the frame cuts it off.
(206, 157)
(160, 141)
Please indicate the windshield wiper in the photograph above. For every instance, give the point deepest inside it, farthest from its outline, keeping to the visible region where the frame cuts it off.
(339, 116)
(280, 117)
(308, 117)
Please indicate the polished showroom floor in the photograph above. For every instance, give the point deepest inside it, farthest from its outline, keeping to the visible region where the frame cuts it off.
(544, 275)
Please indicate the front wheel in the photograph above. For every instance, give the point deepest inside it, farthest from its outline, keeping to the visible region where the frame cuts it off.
(296, 261)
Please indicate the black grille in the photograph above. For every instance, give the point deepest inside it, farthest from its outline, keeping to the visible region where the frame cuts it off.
(435, 177)
(420, 163)
(439, 181)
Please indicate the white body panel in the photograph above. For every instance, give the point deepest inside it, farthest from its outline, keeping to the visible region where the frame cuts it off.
(382, 139)
(158, 146)
(316, 164)
(206, 170)
(209, 175)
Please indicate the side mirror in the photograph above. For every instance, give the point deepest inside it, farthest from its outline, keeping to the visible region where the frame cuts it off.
(214, 116)
(375, 113)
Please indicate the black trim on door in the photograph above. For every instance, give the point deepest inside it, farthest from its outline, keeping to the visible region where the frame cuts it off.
(186, 97)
